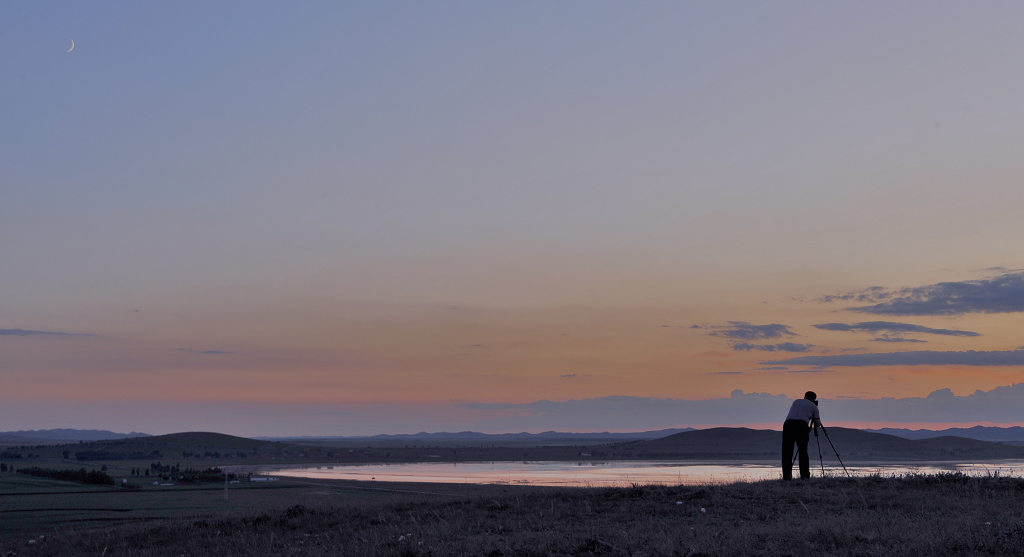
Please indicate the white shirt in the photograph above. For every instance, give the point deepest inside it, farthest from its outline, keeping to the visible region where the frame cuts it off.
(803, 410)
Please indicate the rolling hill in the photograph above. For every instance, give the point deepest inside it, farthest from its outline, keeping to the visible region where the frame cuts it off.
(854, 444)
(58, 436)
(1013, 435)
(177, 445)
(716, 444)
(473, 437)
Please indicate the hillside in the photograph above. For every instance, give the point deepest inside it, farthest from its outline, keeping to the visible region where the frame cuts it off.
(1013, 435)
(854, 444)
(184, 445)
(175, 446)
(58, 436)
(708, 444)
(470, 438)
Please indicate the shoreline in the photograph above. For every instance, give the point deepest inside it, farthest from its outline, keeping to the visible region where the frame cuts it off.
(617, 473)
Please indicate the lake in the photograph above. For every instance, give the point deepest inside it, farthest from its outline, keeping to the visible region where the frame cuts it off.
(613, 473)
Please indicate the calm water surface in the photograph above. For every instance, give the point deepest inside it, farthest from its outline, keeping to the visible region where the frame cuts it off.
(613, 473)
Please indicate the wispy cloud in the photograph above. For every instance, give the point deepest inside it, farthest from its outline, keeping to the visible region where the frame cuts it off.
(892, 327)
(773, 368)
(998, 404)
(742, 330)
(1002, 294)
(204, 351)
(781, 347)
(911, 358)
(870, 294)
(1001, 404)
(28, 333)
(887, 338)
(627, 412)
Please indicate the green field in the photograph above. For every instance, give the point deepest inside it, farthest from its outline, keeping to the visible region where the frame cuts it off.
(32, 506)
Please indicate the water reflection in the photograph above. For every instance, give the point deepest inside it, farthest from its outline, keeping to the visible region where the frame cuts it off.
(615, 473)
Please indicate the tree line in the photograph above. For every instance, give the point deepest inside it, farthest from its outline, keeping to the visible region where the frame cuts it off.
(91, 477)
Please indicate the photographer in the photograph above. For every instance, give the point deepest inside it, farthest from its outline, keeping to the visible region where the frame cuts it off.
(803, 414)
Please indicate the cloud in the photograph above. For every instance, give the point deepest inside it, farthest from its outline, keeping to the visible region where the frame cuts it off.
(835, 327)
(1001, 405)
(1001, 269)
(870, 294)
(781, 347)
(911, 358)
(27, 333)
(628, 412)
(887, 338)
(567, 375)
(892, 327)
(773, 368)
(741, 330)
(1002, 294)
(726, 373)
(203, 351)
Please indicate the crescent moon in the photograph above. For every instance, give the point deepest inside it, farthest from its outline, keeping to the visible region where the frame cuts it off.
(72, 45)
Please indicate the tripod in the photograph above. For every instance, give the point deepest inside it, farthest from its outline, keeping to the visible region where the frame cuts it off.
(829, 439)
(818, 441)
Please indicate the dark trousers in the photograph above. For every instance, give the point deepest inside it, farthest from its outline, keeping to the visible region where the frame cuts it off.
(795, 431)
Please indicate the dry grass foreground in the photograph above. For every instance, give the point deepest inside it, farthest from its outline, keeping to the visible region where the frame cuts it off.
(946, 514)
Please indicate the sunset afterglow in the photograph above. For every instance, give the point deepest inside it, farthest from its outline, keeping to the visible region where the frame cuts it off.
(361, 218)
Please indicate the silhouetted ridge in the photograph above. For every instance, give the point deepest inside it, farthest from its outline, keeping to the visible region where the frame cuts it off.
(724, 442)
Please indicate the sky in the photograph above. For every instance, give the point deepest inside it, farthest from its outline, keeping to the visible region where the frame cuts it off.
(341, 218)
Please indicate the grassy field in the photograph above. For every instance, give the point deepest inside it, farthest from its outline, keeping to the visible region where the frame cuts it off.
(912, 515)
(36, 506)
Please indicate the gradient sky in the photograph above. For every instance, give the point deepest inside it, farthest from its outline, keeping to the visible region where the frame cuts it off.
(355, 218)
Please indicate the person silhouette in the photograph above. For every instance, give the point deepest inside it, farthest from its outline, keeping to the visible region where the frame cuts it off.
(797, 431)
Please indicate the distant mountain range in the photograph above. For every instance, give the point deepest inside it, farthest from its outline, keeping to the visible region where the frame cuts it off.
(547, 437)
(1008, 435)
(61, 436)
(715, 444)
